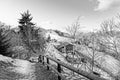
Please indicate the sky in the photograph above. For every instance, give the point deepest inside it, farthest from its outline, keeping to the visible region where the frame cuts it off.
(58, 14)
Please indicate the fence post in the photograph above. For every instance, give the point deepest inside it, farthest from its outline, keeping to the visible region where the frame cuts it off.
(40, 58)
(59, 70)
(43, 60)
(47, 63)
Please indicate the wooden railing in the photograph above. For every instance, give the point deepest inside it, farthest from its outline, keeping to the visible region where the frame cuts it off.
(90, 76)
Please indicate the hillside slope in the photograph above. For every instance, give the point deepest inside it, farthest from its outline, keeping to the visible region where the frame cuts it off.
(16, 69)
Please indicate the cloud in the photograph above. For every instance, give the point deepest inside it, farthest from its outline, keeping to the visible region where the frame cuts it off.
(103, 5)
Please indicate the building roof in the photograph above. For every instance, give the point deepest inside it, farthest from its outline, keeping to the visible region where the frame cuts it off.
(64, 44)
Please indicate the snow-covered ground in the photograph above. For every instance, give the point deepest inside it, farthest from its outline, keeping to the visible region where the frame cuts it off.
(53, 52)
(54, 35)
(23, 67)
(20, 66)
(106, 61)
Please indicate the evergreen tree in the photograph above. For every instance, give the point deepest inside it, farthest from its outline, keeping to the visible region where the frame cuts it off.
(26, 30)
(26, 26)
(4, 44)
(29, 34)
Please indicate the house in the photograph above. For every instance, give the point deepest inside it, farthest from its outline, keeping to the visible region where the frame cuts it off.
(65, 47)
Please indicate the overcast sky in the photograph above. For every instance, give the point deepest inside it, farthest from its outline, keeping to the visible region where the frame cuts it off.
(58, 14)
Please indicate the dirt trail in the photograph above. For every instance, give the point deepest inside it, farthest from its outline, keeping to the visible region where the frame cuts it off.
(27, 69)
(16, 69)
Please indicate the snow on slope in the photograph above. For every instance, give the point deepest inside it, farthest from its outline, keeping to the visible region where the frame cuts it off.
(23, 66)
(20, 66)
(54, 35)
(51, 51)
(106, 61)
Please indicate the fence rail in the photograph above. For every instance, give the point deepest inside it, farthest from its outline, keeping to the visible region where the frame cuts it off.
(90, 76)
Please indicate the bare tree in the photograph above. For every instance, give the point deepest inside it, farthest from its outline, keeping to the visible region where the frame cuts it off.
(73, 29)
(109, 39)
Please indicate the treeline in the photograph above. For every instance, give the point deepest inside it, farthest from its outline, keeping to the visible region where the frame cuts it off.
(27, 38)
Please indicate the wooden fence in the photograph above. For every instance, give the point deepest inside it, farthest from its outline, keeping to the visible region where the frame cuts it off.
(42, 59)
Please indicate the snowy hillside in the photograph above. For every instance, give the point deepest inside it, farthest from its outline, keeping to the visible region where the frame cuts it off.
(16, 69)
(106, 61)
(20, 69)
(54, 35)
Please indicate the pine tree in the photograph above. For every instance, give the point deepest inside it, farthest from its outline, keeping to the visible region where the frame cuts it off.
(26, 26)
(4, 44)
(28, 33)
(26, 30)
